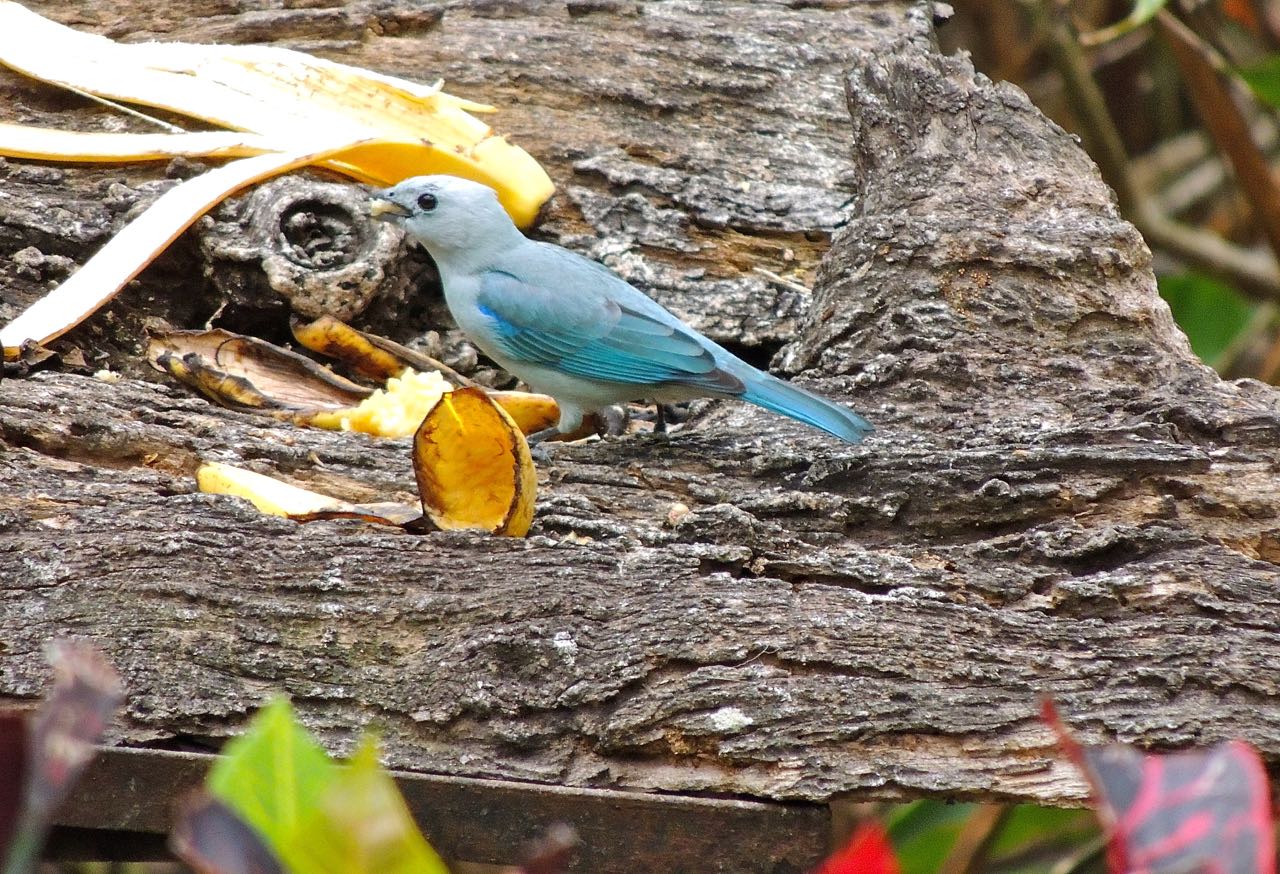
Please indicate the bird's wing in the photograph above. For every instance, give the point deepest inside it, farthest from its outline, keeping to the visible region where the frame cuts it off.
(593, 336)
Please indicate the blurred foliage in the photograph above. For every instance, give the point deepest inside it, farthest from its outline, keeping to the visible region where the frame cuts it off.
(1212, 313)
(1264, 78)
(929, 838)
(1034, 839)
(923, 833)
(1157, 70)
(273, 775)
(317, 817)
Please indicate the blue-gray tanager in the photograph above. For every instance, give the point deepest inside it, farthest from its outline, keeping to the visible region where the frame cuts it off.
(568, 326)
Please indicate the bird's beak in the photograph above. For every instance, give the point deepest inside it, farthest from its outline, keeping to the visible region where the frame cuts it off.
(381, 208)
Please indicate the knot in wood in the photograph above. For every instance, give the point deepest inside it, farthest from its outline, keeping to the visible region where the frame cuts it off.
(301, 242)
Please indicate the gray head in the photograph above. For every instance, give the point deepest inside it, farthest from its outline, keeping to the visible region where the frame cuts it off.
(448, 215)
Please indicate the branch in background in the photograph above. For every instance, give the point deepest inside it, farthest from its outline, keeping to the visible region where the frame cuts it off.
(1239, 356)
(1184, 172)
(971, 851)
(1255, 274)
(1268, 19)
(1210, 83)
(1270, 369)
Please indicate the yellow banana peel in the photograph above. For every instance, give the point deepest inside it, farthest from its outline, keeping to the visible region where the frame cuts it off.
(285, 109)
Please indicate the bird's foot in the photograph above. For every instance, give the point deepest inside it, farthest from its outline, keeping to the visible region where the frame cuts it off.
(539, 445)
(668, 414)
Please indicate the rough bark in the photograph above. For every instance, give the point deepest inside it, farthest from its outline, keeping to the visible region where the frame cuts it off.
(1059, 500)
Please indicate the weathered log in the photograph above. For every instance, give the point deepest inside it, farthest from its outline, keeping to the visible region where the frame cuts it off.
(1060, 498)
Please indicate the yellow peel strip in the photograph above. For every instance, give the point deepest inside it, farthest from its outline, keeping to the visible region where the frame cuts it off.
(124, 256)
(49, 144)
(268, 494)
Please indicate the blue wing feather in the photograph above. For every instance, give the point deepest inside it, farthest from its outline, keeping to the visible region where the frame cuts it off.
(594, 337)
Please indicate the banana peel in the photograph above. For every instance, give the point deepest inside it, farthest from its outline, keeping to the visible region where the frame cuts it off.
(338, 340)
(381, 358)
(533, 412)
(470, 458)
(244, 372)
(278, 498)
(473, 466)
(128, 252)
(384, 359)
(286, 97)
(399, 407)
(247, 373)
(286, 110)
(368, 354)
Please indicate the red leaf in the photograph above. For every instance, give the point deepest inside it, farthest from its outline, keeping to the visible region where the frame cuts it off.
(1203, 811)
(868, 852)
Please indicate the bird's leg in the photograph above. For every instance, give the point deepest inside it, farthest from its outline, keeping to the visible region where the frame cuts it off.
(659, 418)
(539, 436)
(539, 449)
(666, 415)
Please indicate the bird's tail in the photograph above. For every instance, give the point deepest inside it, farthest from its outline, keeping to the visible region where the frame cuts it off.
(794, 402)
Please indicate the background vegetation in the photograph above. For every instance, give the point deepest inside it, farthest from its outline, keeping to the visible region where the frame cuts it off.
(1176, 102)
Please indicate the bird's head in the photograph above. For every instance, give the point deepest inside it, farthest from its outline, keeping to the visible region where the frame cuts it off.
(446, 214)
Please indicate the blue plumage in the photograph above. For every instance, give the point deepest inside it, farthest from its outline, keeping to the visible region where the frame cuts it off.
(607, 342)
(570, 327)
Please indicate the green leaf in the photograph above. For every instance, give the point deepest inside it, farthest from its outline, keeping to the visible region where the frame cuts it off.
(1264, 79)
(1211, 313)
(1028, 826)
(361, 825)
(923, 833)
(273, 775)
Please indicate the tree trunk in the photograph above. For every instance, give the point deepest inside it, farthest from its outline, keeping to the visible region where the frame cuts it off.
(1059, 500)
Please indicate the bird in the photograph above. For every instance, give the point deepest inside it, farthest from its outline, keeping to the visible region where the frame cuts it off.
(568, 326)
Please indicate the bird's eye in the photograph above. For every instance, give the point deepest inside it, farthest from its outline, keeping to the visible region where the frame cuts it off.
(427, 202)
